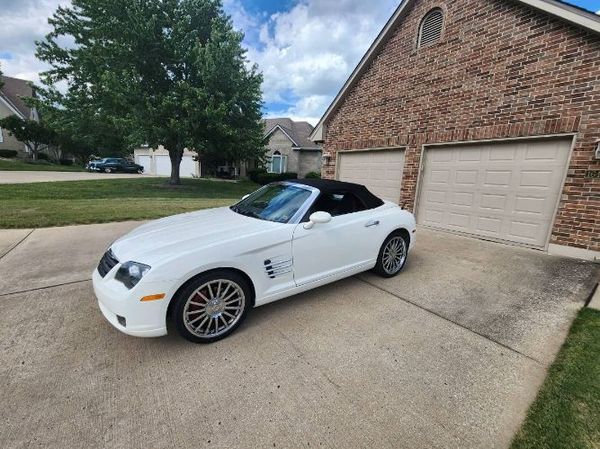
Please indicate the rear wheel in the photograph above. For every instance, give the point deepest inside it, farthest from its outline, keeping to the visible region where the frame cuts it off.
(212, 306)
(140, 171)
(392, 255)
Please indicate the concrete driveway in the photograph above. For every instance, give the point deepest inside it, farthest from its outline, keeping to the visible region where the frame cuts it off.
(448, 354)
(22, 177)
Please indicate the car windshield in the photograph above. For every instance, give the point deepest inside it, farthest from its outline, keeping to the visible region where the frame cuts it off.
(274, 202)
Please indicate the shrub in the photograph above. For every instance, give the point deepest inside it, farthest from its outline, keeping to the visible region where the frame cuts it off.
(43, 157)
(313, 175)
(254, 174)
(8, 153)
(266, 178)
(65, 161)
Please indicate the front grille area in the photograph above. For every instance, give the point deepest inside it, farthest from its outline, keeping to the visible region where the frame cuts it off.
(107, 263)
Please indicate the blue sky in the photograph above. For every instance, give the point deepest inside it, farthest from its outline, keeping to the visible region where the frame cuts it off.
(305, 49)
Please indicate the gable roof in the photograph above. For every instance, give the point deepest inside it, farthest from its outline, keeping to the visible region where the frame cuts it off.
(297, 132)
(13, 92)
(564, 11)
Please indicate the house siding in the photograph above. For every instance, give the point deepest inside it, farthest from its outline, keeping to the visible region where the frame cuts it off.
(8, 141)
(502, 70)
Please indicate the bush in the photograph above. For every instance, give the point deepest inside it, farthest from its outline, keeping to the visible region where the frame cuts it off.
(254, 174)
(65, 161)
(43, 157)
(313, 175)
(266, 178)
(8, 153)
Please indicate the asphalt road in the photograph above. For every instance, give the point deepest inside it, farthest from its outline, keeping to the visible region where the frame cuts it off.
(448, 354)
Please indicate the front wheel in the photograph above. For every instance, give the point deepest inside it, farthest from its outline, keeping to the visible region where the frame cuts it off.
(108, 170)
(392, 255)
(212, 306)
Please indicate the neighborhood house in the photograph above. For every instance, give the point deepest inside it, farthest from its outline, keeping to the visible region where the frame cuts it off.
(482, 117)
(11, 103)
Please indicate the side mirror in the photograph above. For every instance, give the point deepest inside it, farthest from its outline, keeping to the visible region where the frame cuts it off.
(245, 196)
(317, 218)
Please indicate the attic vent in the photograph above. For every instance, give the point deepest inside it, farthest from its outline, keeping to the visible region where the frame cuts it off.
(431, 27)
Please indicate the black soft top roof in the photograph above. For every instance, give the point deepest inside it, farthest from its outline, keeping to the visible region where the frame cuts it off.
(331, 186)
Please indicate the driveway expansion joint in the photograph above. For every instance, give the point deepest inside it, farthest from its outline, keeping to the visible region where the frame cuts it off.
(46, 287)
(16, 244)
(487, 337)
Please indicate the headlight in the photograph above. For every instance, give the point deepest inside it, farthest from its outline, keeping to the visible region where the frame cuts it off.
(130, 273)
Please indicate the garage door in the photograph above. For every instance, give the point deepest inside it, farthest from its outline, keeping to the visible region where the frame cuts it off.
(145, 162)
(380, 171)
(186, 169)
(505, 191)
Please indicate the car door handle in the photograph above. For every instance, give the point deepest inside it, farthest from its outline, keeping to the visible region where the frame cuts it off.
(372, 223)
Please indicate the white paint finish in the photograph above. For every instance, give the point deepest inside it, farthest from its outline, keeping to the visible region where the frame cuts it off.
(188, 167)
(180, 247)
(379, 170)
(501, 190)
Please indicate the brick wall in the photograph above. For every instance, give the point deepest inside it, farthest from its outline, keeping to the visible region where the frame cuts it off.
(501, 70)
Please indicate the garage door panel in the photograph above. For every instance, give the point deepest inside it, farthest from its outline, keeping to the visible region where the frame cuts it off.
(380, 171)
(507, 191)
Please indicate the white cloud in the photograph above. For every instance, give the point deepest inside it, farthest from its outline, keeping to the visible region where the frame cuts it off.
(306, 53)
(24, 22)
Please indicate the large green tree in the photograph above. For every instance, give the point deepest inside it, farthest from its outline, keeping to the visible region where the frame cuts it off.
(161, 72)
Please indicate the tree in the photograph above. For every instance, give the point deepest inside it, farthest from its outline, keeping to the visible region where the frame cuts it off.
(33, 134)
(161, 72)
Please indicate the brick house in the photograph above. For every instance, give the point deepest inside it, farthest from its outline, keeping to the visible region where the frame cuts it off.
(482, 117)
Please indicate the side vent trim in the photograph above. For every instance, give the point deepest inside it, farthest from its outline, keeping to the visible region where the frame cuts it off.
(278, 266)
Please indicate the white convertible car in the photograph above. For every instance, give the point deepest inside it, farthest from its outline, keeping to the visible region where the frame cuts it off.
(204, 270)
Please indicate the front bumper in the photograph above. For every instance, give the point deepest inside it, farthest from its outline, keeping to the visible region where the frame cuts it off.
(142, 319)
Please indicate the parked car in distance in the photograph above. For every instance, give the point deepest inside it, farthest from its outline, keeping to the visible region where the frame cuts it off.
(204, 270)
(114, 165)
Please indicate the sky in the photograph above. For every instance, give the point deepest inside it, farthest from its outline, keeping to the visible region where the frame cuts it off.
(306, 49)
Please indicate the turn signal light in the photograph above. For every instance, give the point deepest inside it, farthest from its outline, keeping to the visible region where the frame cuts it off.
(153, 297)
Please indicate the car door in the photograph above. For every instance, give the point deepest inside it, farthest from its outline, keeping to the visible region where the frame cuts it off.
(349, 242)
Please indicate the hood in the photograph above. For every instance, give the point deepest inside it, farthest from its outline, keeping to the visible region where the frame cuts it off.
(172, 236)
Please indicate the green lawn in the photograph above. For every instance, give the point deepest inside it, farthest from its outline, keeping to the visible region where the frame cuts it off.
(78, 202)
(17, 165)
(566, 413)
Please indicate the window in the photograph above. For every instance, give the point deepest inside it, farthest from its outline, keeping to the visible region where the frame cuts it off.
(431, 28)
(338, 203)
(277, 163)
(274, 202)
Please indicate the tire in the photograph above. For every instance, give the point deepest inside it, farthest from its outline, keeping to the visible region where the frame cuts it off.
(229, 298)
(108, 170)
(392, 255)
(140, 171)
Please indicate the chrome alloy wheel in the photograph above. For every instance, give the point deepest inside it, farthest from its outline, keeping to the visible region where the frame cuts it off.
(394, 255)
(213, 308)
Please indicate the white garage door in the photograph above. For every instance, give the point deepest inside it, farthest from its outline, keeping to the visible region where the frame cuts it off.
(145, 162)
(186, 169)
(380, 171)
(505, 191)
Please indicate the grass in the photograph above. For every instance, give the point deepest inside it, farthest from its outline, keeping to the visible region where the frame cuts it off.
(17, 165)
(566, 413)
(81, 202)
